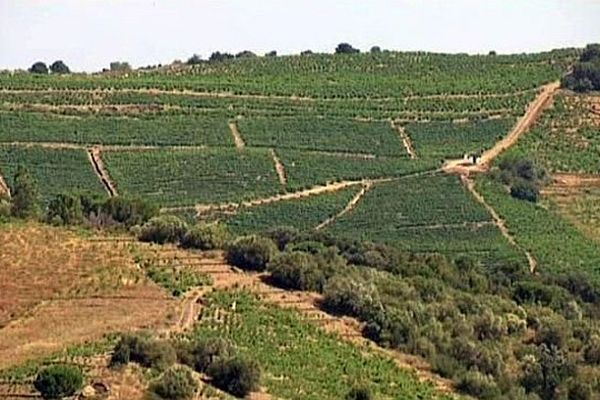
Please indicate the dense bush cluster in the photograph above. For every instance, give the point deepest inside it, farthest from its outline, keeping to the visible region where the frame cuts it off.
(524, 178)
(58, 381)
(585, 76)
(496, 330)
(216, 358)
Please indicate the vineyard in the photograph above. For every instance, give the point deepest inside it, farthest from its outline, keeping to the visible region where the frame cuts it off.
(211, 135)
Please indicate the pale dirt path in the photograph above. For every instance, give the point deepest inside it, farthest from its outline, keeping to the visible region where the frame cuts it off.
(500, 223)
(279, 168)
(307, 303)
(406, 140)
(237, 136)
(566, 180)
(192, 93)
(103, 148)
(523, 124)
(101, 172)
(349, 207)
(4, 187)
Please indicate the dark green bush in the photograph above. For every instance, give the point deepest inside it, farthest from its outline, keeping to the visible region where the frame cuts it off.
(359, 393)
(65, 209)
(203, 353)
(127, 212)
(163, 229)
(282, 236)
(296, 270)
(205, 237)
(237, 376)
(58, 381)
(145, 351)
(479, 385)
(524, 190)
(251, 253)
(175, 384)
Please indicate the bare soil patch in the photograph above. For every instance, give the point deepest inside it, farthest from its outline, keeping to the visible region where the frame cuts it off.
(98, 164)
(279, 168)
(237, 136)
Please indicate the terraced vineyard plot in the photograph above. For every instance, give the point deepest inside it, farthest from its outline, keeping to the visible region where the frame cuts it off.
(302, 214)
(557, 245)
(305, 169)
(383, 75)
(55, 171)
(188, 177)
(163, 130)
(298, 359)
(567, 136)
(426, 214)
(334, 135)
(580, 206)
(453, 140)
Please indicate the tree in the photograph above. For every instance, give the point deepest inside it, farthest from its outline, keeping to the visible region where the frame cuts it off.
(345, 48)
(245, 54)
(524, 190)
(220, 57)
(119, 66)
(205, 237)
(39, 68)
(24, 195)
(163, 229)
(359, 393)
(237, 376)
(375, 49)
(194, 60)
(65, 209)
(175, 384)
(272, 53)
(59, 67)
(251, 252)
(306, 53)
(58, 381)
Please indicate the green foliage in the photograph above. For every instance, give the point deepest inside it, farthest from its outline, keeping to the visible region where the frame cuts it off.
(127, 211)
(205, 237)
(65, 209)
(143, 350)
(59, 67)
(39, 68)
(251, 253)
(301, 271)
(176, 280)
(345, 48)
(175, 384)
(479, 385)
(585, 76)
(59, 381)
(359, 393)
(237, 375)
(120, 66)
(24, 195)
(163, 229)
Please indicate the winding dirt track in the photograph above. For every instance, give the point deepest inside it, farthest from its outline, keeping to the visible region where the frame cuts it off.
(406, 141)
(279, 168)
(500, 223)
(523, 124)
(101, 172)
(4, 187)
(237, 136)
(367, 185)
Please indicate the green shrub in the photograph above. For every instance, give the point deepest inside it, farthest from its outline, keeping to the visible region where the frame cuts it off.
(163, 229)
(65, 209)
(296, 270)
(205, 237)
(251, 253)
(203, 353)
(478, 385)
(359, 393)
(591, 352)
(343, 295)
(175, 384)
(237, 376)
(58, 381)
(282, 236)
(24, 194)
(125, 211)
(524, 190)
(145, 351)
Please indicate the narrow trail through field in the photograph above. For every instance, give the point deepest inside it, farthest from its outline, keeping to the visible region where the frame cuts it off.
(237, 136)
(306, 303)
(4, 189)
(349, 207)
(406, 140)
(279, 168)
(231, 95)
(534, 110)
(102, 147)
(101, 172)
(500, 223)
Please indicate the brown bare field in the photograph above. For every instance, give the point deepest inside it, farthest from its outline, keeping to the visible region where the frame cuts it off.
(58, 289)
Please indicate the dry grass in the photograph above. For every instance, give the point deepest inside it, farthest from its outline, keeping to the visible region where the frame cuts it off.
(59, 289)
